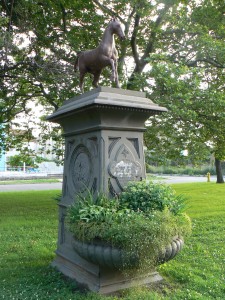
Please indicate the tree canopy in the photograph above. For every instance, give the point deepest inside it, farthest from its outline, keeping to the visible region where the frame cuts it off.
(174, 51)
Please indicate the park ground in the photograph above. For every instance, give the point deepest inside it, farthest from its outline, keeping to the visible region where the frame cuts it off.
(29, 234)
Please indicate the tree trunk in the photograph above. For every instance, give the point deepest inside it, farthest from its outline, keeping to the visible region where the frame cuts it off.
(219, 171)
(137, 70)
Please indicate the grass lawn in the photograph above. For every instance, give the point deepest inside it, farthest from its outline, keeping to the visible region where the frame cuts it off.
(28, 231)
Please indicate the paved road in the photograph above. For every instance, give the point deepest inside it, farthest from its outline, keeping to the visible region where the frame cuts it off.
(30, 187)
(185, 179)
(58, 185)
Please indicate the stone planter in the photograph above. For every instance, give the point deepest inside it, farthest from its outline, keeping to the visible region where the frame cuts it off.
(171, 250)
(114, 258)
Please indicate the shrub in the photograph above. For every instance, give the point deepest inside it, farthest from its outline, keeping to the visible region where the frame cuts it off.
(149, 196)
(181, 171)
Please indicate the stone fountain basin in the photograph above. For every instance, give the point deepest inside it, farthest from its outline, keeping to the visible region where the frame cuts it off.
(115, 258)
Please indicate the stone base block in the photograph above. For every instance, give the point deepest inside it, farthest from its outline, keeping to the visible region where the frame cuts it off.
(101, 280)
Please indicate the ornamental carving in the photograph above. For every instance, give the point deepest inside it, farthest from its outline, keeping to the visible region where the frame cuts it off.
(124, 167)
(80, 168)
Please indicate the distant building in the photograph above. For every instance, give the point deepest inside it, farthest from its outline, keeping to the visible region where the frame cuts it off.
(2, 162)
(36, 149)
(29, 132)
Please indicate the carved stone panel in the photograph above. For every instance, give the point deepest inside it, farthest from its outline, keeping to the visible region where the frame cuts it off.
(69, 147)
(112, 143)
(134, 142)
(80, 168)
(124, 167)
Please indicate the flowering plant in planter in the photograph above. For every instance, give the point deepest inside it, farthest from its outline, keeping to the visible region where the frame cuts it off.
(136, 228)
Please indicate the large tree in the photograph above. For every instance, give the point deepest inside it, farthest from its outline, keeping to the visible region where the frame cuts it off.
(174, 50)
(181, 44)
(39, 40)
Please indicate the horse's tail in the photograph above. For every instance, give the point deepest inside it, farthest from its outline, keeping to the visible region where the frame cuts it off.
(76, 64)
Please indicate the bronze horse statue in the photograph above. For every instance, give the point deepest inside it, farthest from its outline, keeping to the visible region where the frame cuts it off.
(93, 61)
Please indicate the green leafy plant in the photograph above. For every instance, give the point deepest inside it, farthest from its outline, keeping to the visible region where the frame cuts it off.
(150, 196)
(126, 223)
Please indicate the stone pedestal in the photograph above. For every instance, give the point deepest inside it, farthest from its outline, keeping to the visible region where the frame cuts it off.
(103, 132)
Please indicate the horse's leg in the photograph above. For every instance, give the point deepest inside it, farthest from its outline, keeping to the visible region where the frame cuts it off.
(82, 74)
(113, 76)
(116, 74)
(105, 60)
(96, 79)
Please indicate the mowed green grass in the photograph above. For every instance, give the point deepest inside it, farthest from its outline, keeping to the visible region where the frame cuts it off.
(28, 236)
(200, 267)
(27, 181)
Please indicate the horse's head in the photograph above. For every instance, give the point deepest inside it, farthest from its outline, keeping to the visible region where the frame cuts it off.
(117, 28)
